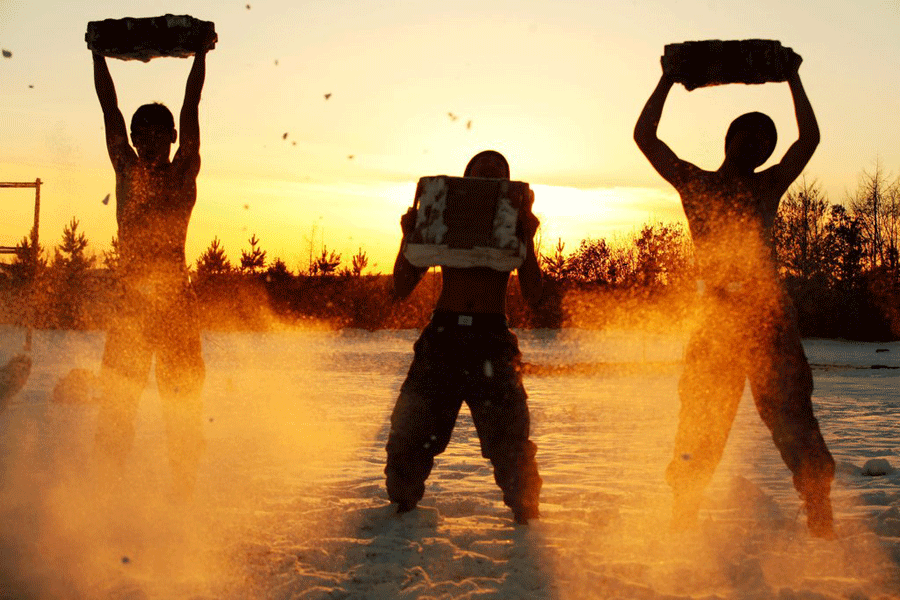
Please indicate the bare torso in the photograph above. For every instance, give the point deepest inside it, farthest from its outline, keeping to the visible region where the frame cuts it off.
(153, 209)
(731, 211)
(473, 290)
(731, 219)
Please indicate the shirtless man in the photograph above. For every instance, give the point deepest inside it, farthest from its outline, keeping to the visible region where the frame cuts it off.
(157, 310)
(466, 352)
(748, 327)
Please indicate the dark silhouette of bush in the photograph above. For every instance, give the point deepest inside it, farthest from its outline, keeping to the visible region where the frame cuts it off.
(645, 281)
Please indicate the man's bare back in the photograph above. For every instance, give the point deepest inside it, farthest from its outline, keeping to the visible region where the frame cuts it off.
(154, 205)
(156, 313)
(154, 195)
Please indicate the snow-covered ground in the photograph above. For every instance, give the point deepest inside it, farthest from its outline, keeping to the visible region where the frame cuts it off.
(290, 502)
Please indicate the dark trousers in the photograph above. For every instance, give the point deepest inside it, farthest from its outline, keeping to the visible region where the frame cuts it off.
(478, 365)
(736, 341)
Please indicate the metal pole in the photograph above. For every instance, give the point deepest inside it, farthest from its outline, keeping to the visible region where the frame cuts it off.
(37, 219)
(34, 248)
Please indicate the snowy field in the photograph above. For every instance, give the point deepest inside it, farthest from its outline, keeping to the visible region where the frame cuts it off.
(291, 505)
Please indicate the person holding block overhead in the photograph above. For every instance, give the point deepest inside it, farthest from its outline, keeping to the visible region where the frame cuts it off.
(748, 327)
(155, 196)
(478, 228)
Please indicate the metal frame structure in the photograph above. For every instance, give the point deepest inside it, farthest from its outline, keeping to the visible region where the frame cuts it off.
(36, 184)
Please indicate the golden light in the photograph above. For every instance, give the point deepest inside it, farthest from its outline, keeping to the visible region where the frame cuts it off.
(573, 214)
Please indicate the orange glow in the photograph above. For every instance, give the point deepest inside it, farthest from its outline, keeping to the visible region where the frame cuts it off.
(573, 214)
(415, 89)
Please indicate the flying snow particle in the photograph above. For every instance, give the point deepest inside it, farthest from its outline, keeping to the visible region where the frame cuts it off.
(488, 369)
(7, 53)
(105, 199)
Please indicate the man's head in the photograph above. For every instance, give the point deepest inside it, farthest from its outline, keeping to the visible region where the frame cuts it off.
(489, 163)
(153, 130)
(750, 140)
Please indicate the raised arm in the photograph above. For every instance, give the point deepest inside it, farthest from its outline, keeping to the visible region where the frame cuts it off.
(801, 151)
(189, 120)
(116, 133)
(663, 159)
(406, 275)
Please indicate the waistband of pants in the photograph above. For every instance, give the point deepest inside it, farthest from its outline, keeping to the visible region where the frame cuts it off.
(476, 320)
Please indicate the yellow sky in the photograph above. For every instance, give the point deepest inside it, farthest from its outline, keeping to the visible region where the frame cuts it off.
(554, 86)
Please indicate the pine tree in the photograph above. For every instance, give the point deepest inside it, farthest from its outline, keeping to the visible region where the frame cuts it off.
(278, 270)
(326, 264)
(254, 260)
(213, 261)
(28, 261)
(70, 267)
(558, 265)
(360, 261)
(70, 256)
(111, 257)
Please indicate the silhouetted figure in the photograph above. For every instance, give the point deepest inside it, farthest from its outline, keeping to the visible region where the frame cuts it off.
(748, 326)
(467, 353)
(157, 312)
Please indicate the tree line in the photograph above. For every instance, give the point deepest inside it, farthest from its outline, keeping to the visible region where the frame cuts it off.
(840, 263)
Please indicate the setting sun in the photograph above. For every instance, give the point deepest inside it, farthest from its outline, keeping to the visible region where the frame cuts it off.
(571, 214)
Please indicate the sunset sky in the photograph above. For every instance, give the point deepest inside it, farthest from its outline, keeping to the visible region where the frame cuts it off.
(555, 86)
